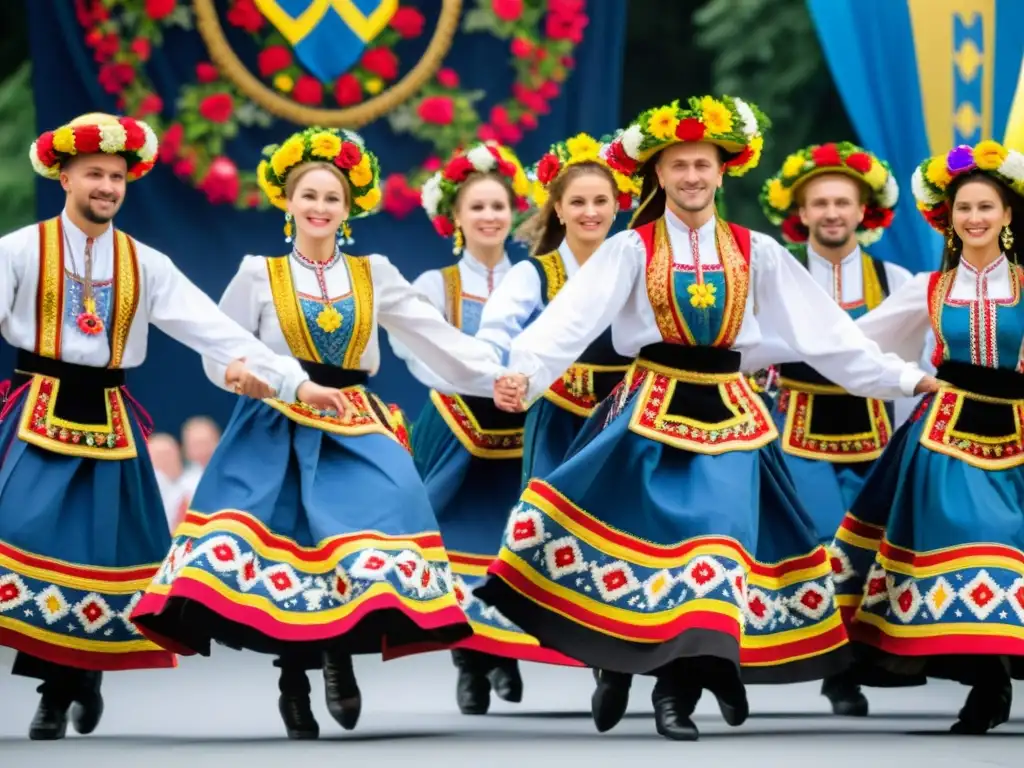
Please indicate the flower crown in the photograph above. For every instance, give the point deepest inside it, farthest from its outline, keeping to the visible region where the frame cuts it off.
(777, 194)
(581, 148)
(730, 123)
(931, 180)
(440, 190)
(344, 149)
(92, 134)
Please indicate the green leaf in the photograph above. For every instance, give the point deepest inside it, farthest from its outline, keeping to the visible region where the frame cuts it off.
(479, 20)
(181, 16)
(196, 129)
(17, 132)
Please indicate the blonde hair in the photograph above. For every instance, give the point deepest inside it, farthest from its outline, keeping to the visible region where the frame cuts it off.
(295, 176)
(543, 232)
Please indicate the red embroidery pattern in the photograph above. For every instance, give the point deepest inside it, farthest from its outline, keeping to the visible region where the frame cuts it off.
(46, 426)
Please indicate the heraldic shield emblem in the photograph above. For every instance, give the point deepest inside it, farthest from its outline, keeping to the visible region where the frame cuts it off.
(345, 46)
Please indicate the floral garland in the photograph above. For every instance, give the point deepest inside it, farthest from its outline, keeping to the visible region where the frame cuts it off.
(542, 36)
(730, 123)
(441, 189)
(778, 191)
(132, 139)
(933, 176)
(581, 148)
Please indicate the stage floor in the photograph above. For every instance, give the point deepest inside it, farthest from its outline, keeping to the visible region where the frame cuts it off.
(223, 712)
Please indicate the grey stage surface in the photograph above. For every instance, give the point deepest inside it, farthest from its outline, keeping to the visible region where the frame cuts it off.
(222, 712)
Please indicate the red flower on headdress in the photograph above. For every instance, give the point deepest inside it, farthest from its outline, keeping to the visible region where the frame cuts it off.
(859, 161)
(135, 137)
(690, 129)
(877, 217)
(458, 169)
(507, 169)
(826, 154)
(87, 139)
(625, 201)
(741, 159)
(548, 168)
(793, 230)
(44, 149)
(444, 226)
(619, 160)
(348, 156)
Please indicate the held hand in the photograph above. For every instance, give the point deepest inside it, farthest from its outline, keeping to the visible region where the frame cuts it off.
(245, 382)
(326, 399)
(927, 385)
(509, 393)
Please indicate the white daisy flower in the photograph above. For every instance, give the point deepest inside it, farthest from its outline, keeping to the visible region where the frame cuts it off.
(1013, 166)
(922, 192)
(112, 138)
(430, 194)
(747, 118)
(481, 158)
(631, 140)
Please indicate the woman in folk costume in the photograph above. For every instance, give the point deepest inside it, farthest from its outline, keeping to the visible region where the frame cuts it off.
(577, 196)
(830, 200)
(671, 541)
(929, 557)
(311, 535)
(467, 451)
(82, 526)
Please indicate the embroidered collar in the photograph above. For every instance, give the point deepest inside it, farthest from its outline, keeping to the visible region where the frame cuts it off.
(987, 270)
(314, 265)
(469, 262)
(851, 257)
(707, 229)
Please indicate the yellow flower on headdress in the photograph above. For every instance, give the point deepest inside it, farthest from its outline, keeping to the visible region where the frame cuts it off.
(539, 194)
(756, 147)
(361, 173)
(273, 192)
(989, 155)
(520, 183)
(938, 173)
(583, 147)
(625, 183)
(662, 123)
(370, 200)
(779, 197)
(64, 140)
(288, 155)
(717, 117)
(792, 167)
(325, 145)
(875, 177)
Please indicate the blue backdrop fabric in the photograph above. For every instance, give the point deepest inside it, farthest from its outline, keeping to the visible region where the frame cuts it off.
(207, 242)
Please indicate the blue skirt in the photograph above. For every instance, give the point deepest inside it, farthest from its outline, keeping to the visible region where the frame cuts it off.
(634, 552)
(930, 560)
(547, 437)
(471, 497)
(299, 537)
(80, 539)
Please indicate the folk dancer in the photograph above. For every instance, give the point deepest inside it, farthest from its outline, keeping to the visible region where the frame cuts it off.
(672, 541)
(311, 535)
(82, 525)
(830, 201)
(931, 550)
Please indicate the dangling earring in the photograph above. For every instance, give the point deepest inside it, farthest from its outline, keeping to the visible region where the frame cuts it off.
(950, 235)
(345, 234)
(1006, 238)
(458, 242)
(288, 228)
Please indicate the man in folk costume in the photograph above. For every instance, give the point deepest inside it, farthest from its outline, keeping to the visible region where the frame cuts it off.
(830, 200)
(671, 540)
(82, 528)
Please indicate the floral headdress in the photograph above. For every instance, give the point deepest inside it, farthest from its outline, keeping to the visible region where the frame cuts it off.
(930, 182)
(344, 149)
(581, 148)
(730, 123)
(440, 190)
(92, 134)
(778, 193)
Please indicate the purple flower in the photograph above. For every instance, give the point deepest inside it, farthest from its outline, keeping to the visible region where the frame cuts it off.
(960, 159)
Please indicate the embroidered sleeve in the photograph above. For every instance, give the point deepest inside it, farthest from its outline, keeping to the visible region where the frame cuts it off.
(510, 308)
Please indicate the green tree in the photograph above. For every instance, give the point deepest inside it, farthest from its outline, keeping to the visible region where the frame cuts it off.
(767, 51)
(17, 130)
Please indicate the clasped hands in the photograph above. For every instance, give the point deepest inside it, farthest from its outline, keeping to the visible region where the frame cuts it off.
(245, 382)
(510, 392)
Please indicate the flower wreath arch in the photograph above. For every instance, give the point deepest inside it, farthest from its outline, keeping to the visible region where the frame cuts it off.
(208, 112)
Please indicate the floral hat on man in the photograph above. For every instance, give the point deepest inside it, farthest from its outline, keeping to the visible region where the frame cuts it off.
(96, 133)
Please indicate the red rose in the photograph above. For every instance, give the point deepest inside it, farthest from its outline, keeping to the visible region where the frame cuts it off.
(221, 183)
(521, 47)
(740, 159)
(87, 139)
(522, 204)
(875, 218)
(90, 12)
(308, 90)
(134, 136)
(217, 107)
(793, 230)
(509, 133)
(347, 90)
(114, 77)
(859, 161)
(436, 110)
(407, 22)
(690, 129)
(619, 160)
(826, 154)
(486, 133)
(399, 198)
(443, 226)
(245, 15)
(206, 72)
(141, 47)
(348, 156)
(565, 7)
(625, 201)
(528, 121)
(381, 62)
(447, 78)
(432, 164)
(273, 59)
(44, 149)
(170, 143)
(530, 99)
(458, 169)
(105, 47)
(158, 9)
(151, 104)
(499, 116)
(549, 90)
(566, 28)
(507, 10)
(548, 168)
(186, 166)
(506, 169)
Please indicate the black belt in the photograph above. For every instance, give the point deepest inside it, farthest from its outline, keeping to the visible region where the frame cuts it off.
(695, 359)
(802, 372)
(332, 376)
(82, 395)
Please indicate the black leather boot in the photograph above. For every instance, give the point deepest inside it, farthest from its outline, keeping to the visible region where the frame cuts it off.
(473, 688)
(344, 700)
(294, 704)
(722, 678)
(51, 718)
(610, 698)
(506, 680)
(987, 705)
(87, 708)
(674, 700)
(845, 695)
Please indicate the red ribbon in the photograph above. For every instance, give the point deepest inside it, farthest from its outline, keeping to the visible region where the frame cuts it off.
(145, 420)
